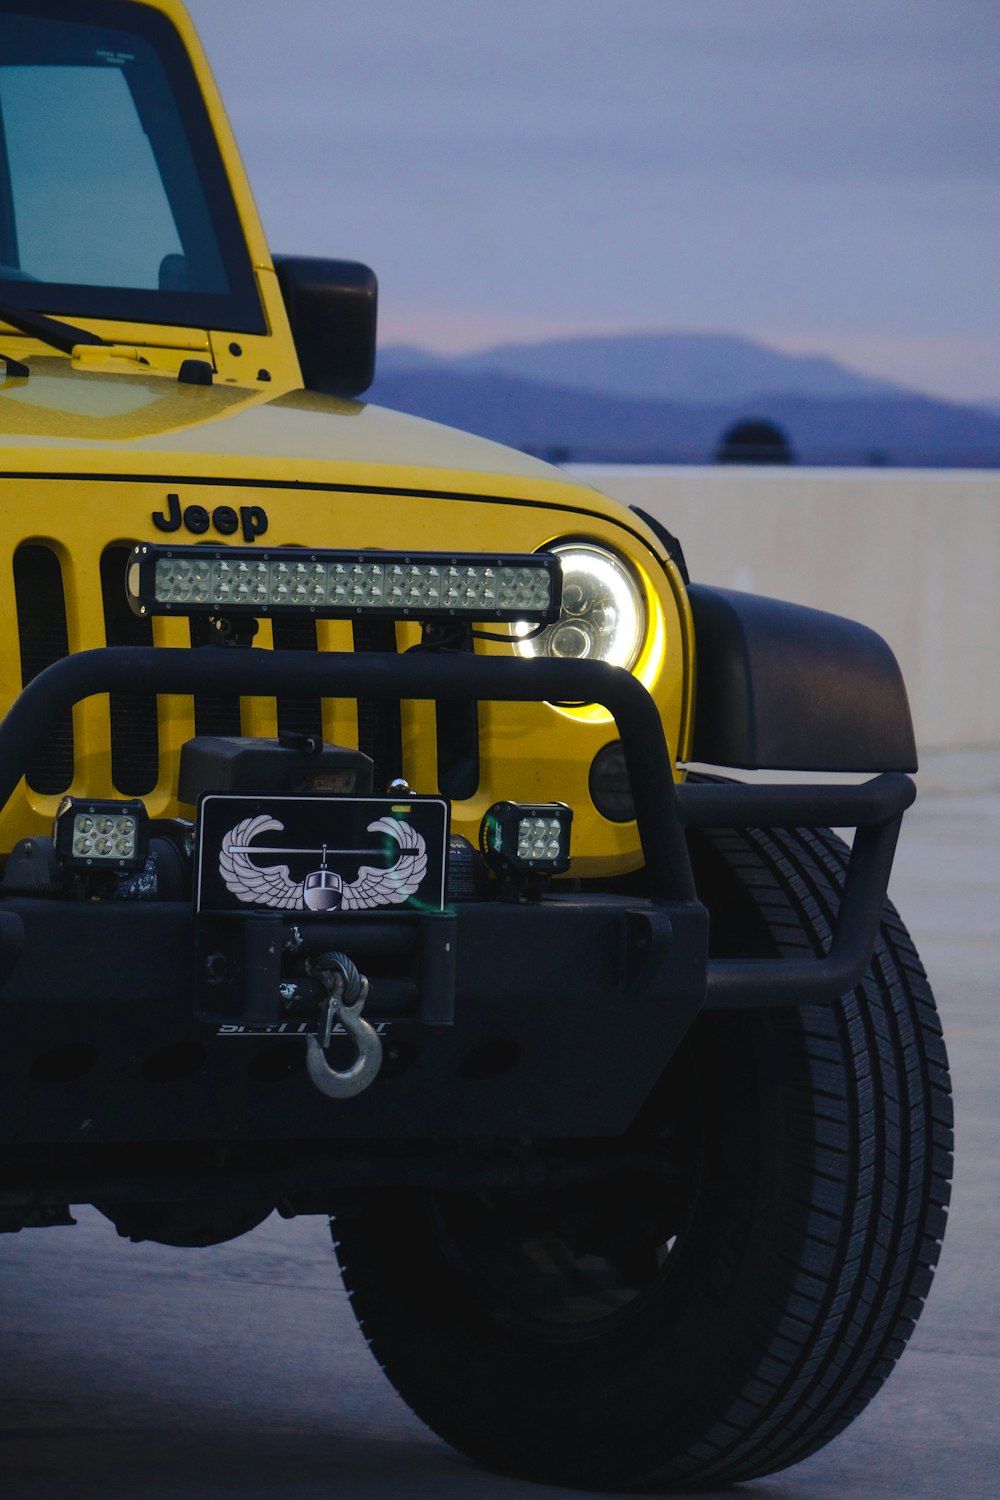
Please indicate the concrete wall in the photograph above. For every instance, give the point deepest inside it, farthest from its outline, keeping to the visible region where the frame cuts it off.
(913, 553)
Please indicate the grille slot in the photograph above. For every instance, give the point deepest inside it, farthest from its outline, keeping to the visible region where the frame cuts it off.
(43, 639)
(214, 713)
(296, 714)
(135, 743)
(380, 733)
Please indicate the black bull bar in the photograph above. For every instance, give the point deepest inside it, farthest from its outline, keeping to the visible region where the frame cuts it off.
(658, 942)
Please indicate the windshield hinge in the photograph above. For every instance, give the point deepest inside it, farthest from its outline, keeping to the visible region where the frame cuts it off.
(99, 354)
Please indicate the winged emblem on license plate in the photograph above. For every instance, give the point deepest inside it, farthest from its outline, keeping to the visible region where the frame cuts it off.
(322, 889)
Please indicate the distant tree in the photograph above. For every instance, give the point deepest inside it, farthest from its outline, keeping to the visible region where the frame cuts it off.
(754, 442)
(557, 453)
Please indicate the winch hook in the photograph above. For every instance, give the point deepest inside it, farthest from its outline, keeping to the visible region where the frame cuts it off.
(347, 991)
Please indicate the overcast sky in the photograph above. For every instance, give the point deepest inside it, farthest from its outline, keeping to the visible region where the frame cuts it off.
(818, 174)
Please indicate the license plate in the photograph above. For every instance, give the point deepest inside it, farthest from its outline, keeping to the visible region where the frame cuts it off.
(319, 856)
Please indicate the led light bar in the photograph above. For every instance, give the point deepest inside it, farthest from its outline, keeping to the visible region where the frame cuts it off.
(112, 835)
(335, 585)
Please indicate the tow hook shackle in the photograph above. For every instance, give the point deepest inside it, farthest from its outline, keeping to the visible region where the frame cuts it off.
(346, 993)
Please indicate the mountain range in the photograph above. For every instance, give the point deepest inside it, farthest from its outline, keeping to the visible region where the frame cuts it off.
(670, 397)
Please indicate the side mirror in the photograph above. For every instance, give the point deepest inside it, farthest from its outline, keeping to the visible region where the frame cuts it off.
(332, 309)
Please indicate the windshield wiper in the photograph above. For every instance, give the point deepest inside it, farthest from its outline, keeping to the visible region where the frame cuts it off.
(61, 336)
(14, 369)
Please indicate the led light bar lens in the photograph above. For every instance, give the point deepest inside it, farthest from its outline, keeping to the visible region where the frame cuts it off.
(105, 837)
(162, 580)
(539, 839)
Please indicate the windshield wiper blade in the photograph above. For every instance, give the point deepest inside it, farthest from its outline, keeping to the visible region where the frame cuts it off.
(15, 370)
(61, 336)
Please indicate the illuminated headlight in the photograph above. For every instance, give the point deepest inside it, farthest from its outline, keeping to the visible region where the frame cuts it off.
(89, 834)
(526, 836)
(602, 617)
(421, 585)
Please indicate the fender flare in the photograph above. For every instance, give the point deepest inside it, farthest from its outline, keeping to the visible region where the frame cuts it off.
(786, 688)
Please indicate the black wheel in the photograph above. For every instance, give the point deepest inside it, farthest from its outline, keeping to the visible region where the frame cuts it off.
(729, 1297)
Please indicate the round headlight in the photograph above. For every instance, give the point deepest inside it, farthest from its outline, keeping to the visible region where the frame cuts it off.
(602, 616)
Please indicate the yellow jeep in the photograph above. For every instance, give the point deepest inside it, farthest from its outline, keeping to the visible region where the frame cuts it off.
(352, 860)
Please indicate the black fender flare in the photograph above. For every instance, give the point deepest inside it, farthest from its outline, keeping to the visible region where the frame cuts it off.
(786, 688)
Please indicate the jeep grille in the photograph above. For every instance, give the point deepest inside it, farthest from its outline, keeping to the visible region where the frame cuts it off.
(43, 638)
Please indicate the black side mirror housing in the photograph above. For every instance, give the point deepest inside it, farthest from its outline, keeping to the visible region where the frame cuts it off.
(332, 308)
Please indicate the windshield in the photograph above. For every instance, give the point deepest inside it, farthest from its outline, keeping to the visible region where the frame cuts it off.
(114, 201)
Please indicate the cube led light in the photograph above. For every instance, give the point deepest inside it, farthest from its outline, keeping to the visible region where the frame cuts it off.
(90, 834)
(526, 837)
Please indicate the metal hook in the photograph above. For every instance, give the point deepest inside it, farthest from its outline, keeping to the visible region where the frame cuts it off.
(334, 1082)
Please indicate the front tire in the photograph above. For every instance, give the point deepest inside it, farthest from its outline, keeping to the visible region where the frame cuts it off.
(733, 1296)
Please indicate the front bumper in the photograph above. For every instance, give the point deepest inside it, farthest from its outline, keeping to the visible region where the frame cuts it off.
(542, 1019)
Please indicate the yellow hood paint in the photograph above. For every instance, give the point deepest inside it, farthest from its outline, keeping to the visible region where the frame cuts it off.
(68, 416)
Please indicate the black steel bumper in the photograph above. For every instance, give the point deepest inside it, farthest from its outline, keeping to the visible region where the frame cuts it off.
(550, 1018)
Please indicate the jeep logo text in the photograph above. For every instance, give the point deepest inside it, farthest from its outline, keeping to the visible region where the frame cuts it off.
(225, 518)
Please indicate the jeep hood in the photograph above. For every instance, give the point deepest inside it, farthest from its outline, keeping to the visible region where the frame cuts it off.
(71, 421)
